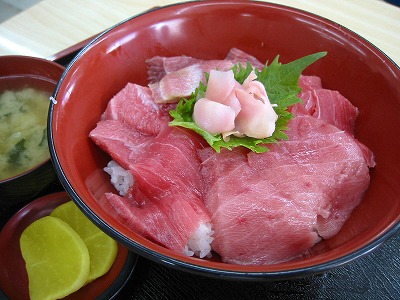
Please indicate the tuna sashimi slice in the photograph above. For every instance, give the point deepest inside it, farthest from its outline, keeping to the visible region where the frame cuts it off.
(175, 171)
(183, 82)
(319, 165)
(305, 188)
(254, 222)
(159, 66)
(238, 56)
(170, 165)
(329, 106)
(310, 83)
(176, 85)
(120, 142)
(166, 197)
(172, 78)
(135, 107)
(170, 222)
(216, 166)
(252, 232)
(146, 222)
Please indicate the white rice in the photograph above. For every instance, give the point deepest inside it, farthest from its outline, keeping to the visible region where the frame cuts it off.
(121, 179)
(199, 243)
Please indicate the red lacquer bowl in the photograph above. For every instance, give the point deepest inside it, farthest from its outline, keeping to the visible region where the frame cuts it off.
(13, 275)
(208, 29)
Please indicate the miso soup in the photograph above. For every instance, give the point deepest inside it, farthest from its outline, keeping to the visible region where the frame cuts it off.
(23, 135)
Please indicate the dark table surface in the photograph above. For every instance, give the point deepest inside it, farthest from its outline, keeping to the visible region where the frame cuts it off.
(376, 275)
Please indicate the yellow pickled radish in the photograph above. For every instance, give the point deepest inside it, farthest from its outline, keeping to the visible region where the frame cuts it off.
(57, 260)
(102, 248)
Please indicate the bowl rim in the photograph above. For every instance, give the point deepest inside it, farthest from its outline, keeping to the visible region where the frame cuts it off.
(175, 263)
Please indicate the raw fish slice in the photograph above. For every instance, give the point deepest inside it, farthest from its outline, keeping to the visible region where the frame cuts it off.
(305, 187)
(149, 222)
(177, 170)
(183, 82)
(173, 182)
(333, 160)
(159, 66)
(172, 78)
(134, 106)
(329, 106)
(253, 221)
(221, 65)
(263, 231)
(344, 200)
(238, 56)
(216, 166)
(185, 213)
(306, 83)
(168, 186)
(311, 171)
(310, 83)
(171, 223)
(176, 85)
(120, 142)
(324, 188)
(304, 127)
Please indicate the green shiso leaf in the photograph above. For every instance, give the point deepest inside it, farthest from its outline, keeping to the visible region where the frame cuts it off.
(281, 81)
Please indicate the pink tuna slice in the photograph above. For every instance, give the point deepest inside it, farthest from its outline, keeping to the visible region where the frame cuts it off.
(176, 85)
(135, 107)
(169, 222)
(183, 82)
(329, 106)
(238, 56)
(119, 141)
(305, 187)
(176, 170)
(328, 169)
(159, 66)
(168, 187)
(310, 83)
(171, 79)
(249, 215)
(146, 222)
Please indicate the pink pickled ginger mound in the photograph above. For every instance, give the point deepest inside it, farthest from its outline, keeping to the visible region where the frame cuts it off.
(231, 108)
